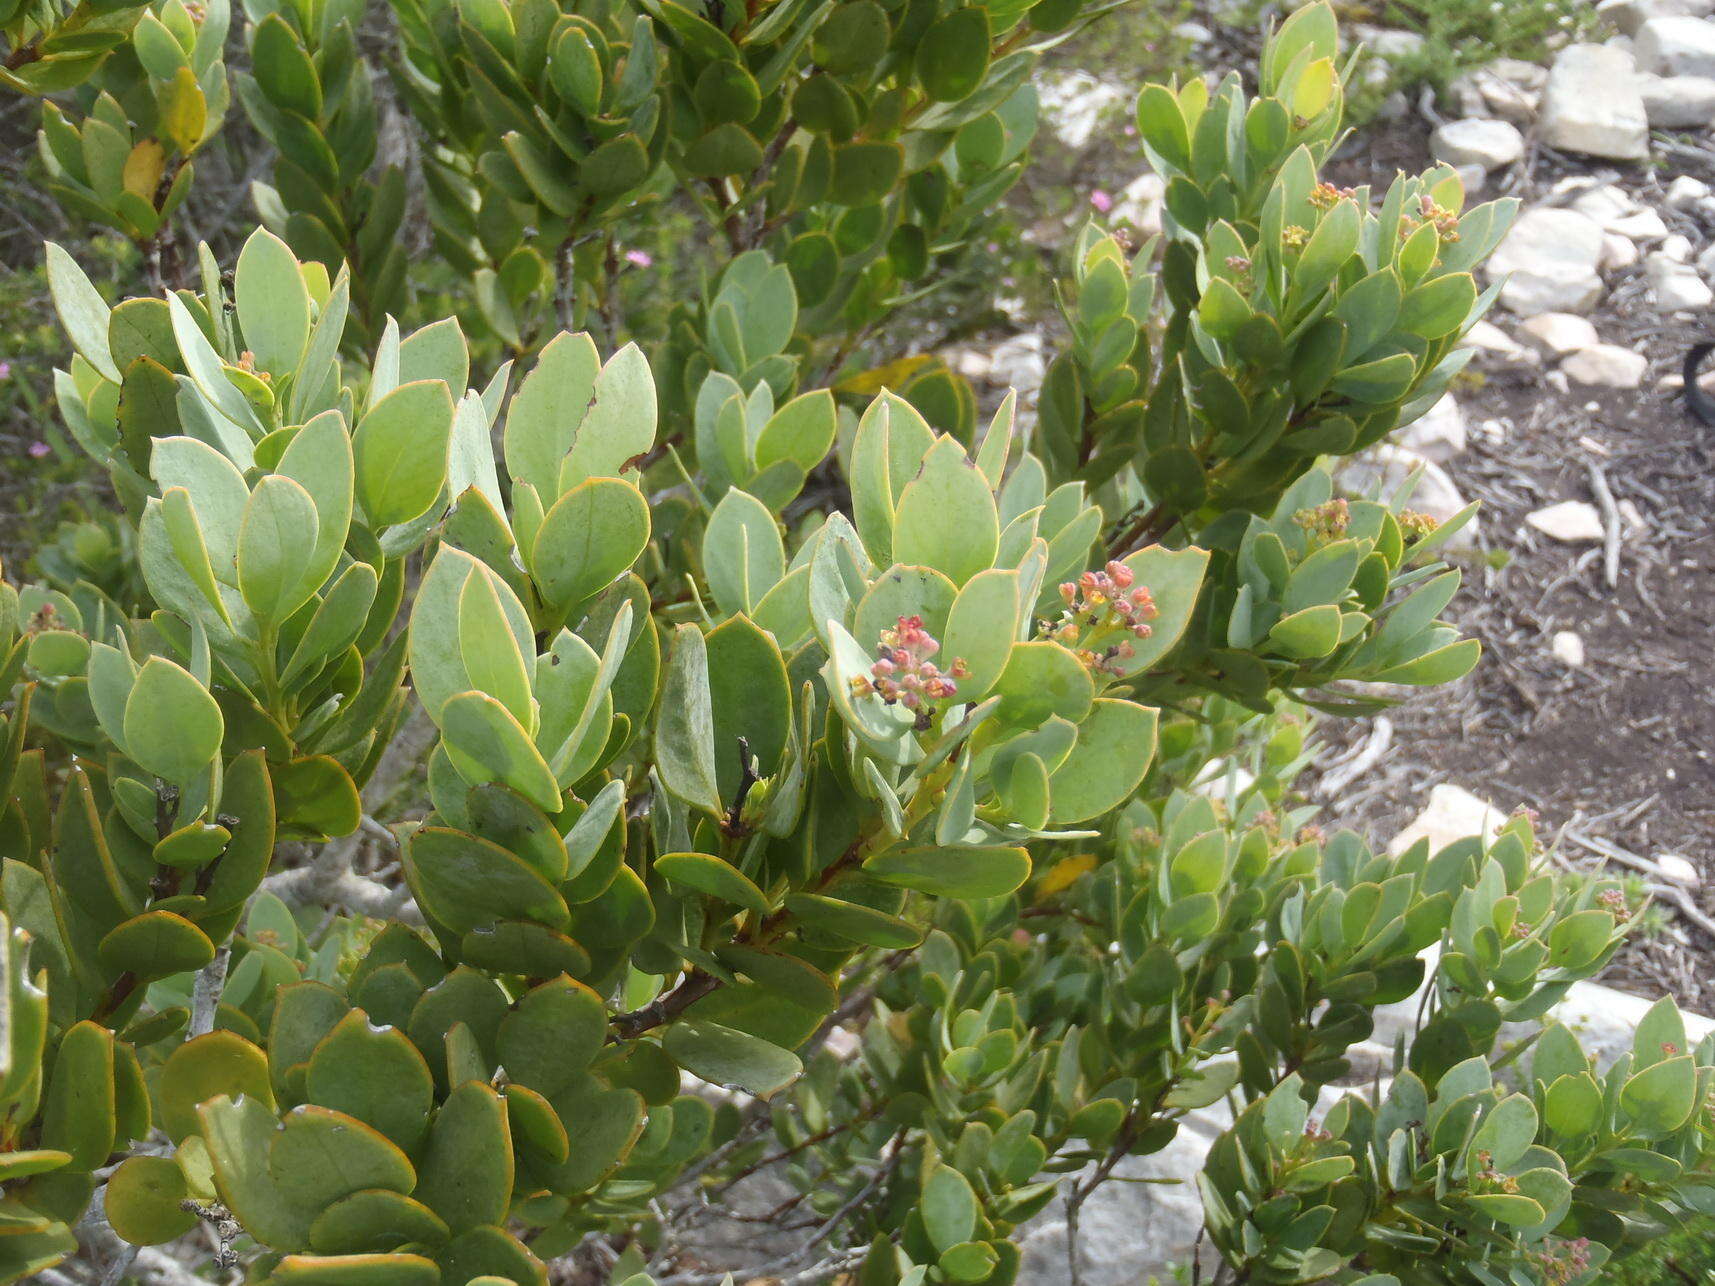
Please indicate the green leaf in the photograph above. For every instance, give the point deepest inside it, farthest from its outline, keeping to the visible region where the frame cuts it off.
(400, 452)
(82, 311)
(1661, 1098)
(723, 1056)
(593, 534)
(283, 68)
(710, 875)
(318, 1156)
(946, 517)
(272, 301)
(1439, 307)
(374, 1075)
(220, 1063)
(465, 882)
(544, 414)
(853, 921)
(465, 1174)
(981, 628)
(238, 1133)
(953, 870)
(374, 1220)
(1116, 742)
(279, 523)
(143, 1201)
(78, 1109)
(743, 555)
(552, 1035)
(491, 655)
(949, 1208)
(173, 728)
(865, 172)
(619, 426)
(156, 944)
(953, 54)
(684, 727)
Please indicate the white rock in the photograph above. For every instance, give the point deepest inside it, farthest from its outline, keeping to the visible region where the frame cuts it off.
(1640, 225)
(1384, 471)
(1195, 32)
(1706, 262)
(1678, 102)
(1675, 285)
(1076, 103)
(1490, 144)
(1557, 334)
(1472, 178)
(1486, 337)
(1568, 648)
(1452, 813)
(1606, 366)
(1685, 192)
(1629, 15)
(1392, 43)
(1020, 363)
(1571, 521)
(1549, 261)
(1507, 89)
(1606, 203)
(1592, 105)
(1140, 203)
(1439, 434)
(1678, 870)
(1676, 46)
(971, 364)
(1618, 253)
(1677, 247)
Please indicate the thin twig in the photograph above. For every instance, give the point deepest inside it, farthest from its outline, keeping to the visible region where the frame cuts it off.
(1610, 524)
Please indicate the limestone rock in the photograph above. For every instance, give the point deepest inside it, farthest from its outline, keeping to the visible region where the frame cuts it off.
(1678, 102)
(1678, 870)
(1592, 105)
(1075, 104)
(1490, 340)
(1686, 193)
(1490, 144)
(1439, 434)
(1452, 813)
(1568, 648)
(1549, 261)
(1507, 89)
(1606, 366)
(1557, 334)
(1571, 521)
(1676, 286)
(1676, 46)
(1139, 204)
(1618, 253)
(1629, 15)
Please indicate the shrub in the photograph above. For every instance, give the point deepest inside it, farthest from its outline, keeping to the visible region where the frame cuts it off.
(748, 714)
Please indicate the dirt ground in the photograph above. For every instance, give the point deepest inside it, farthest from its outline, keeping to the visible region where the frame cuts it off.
(1616, 756)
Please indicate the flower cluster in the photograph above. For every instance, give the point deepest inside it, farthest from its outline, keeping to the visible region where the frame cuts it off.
(1099, 602)
(1564, 1263)
(1446, 221)
(1327, 521)
(1416, 525)
(903, 674)
(1325, 196)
